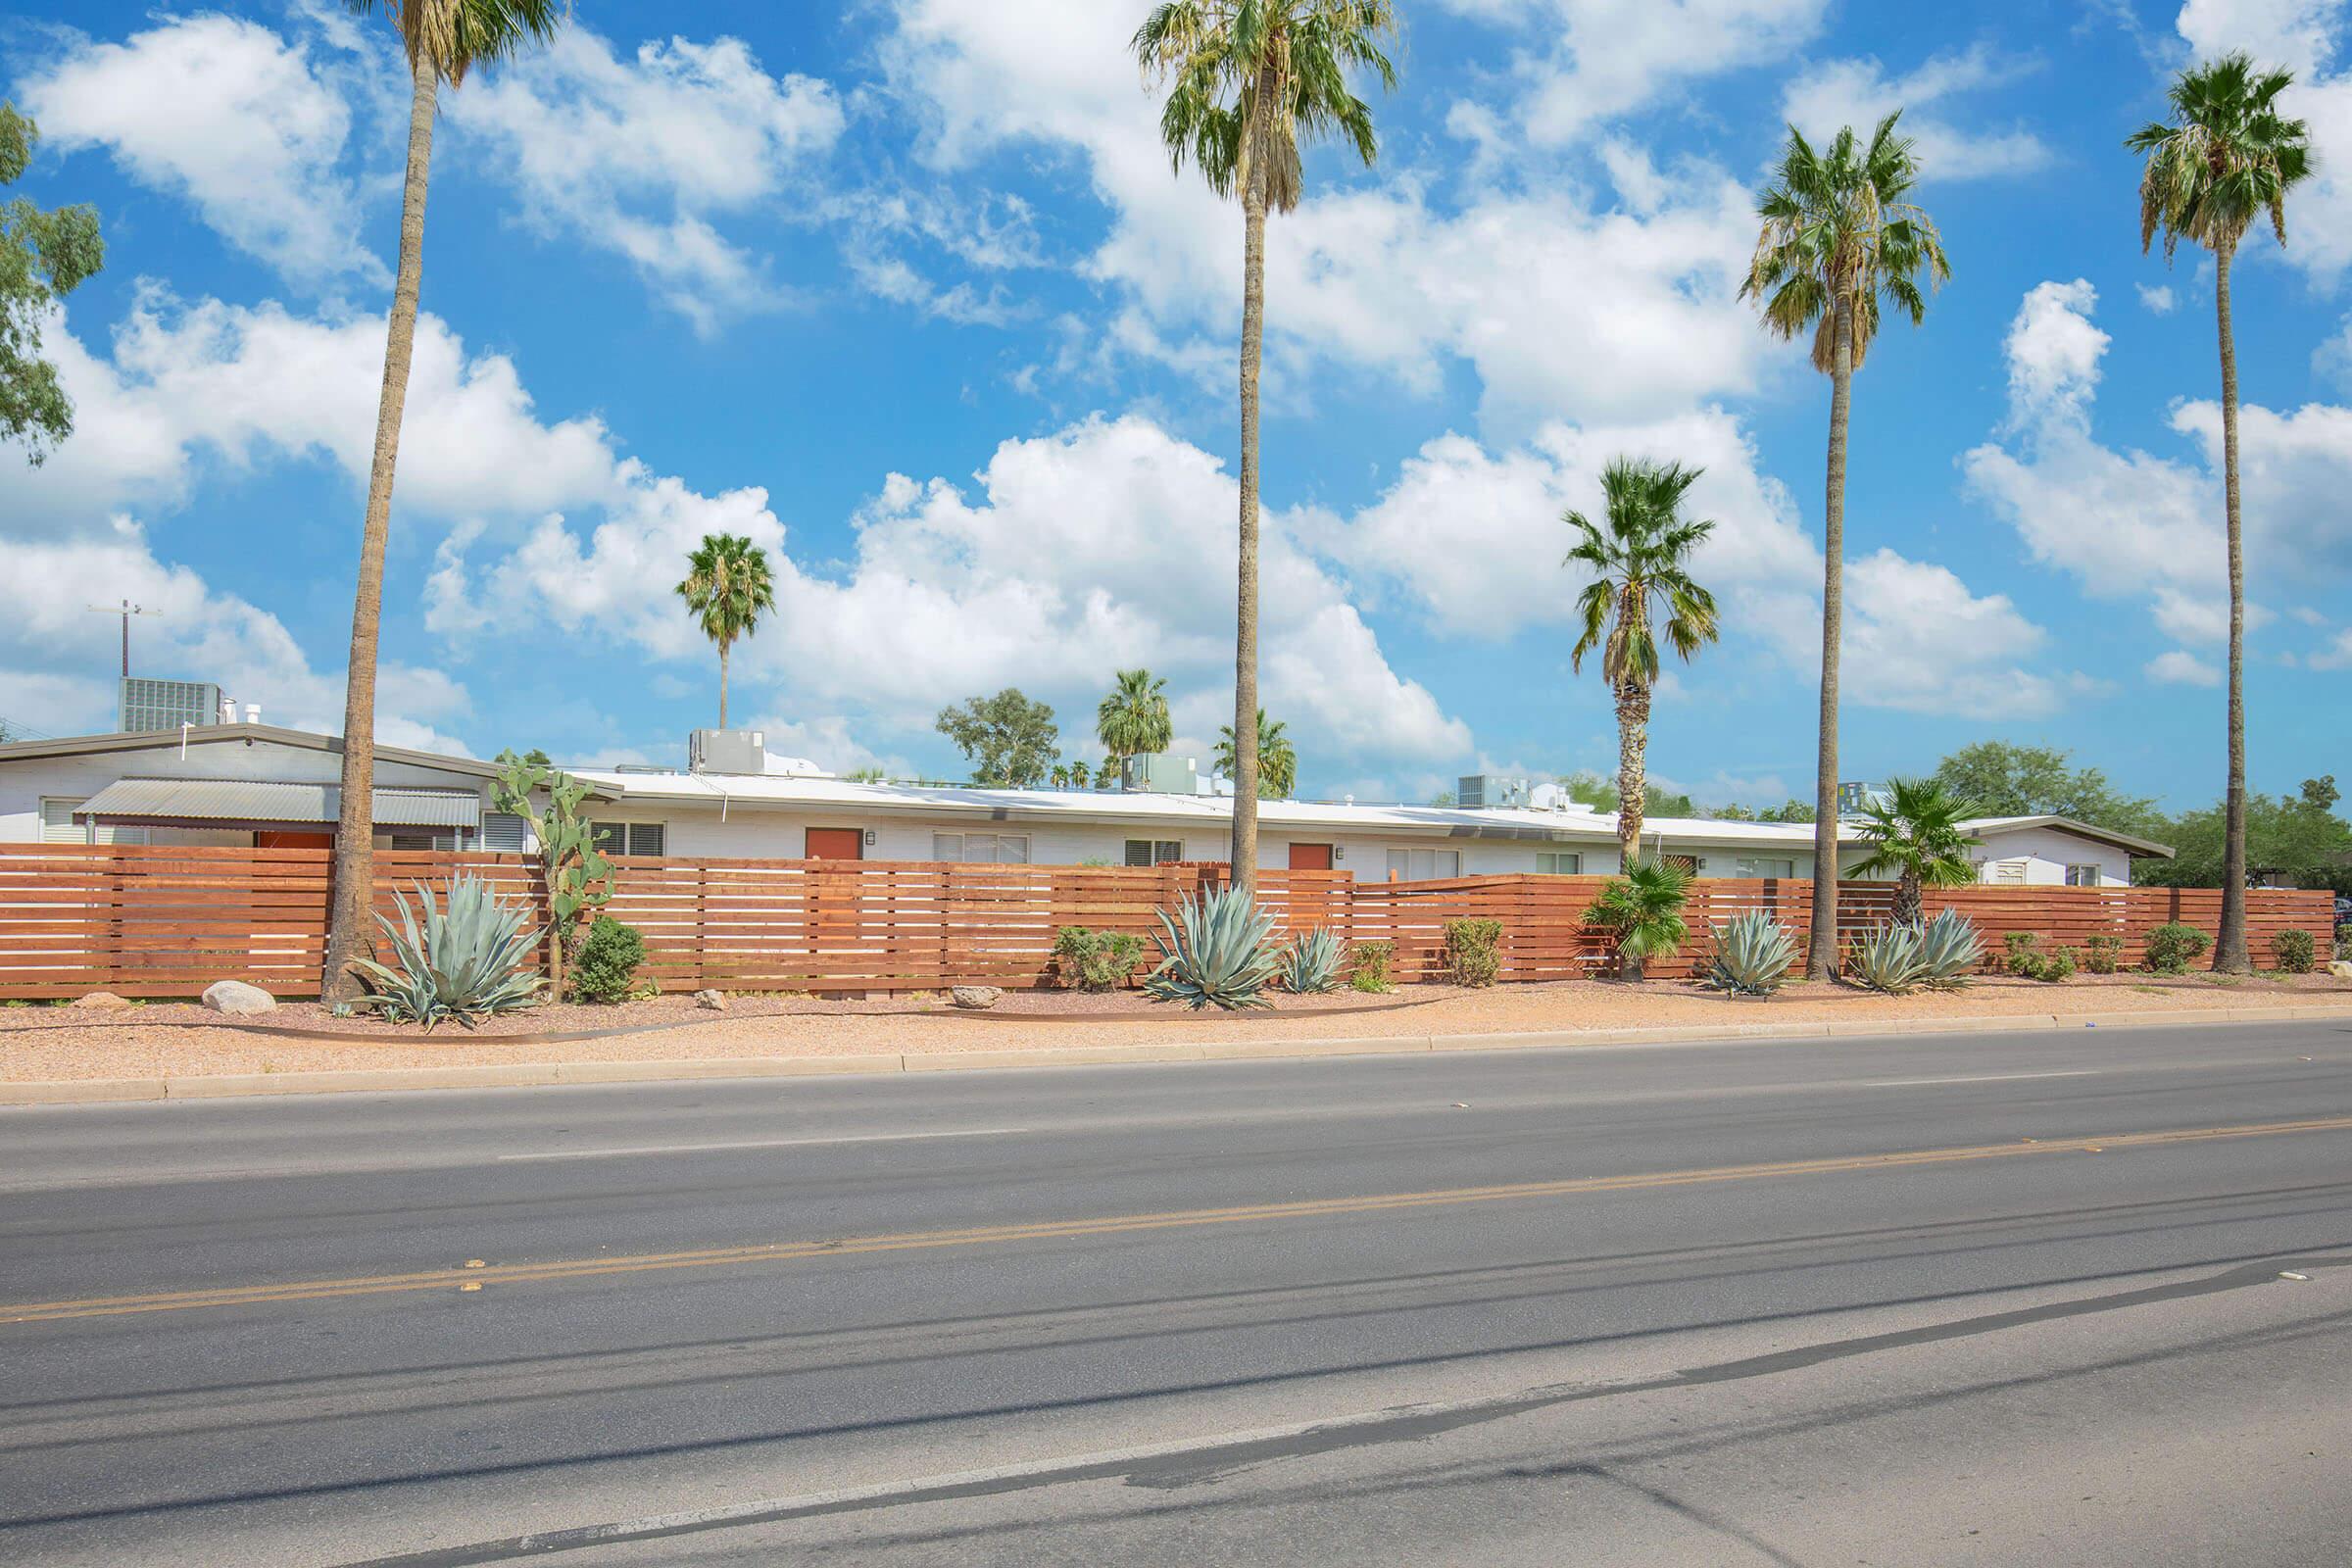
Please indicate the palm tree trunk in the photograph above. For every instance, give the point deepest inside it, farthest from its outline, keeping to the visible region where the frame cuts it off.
(722, 685)
(1821, 959)
(355, 829)
(1244, 652)
(1633, 789)
(1909, 904)
(2230, 952)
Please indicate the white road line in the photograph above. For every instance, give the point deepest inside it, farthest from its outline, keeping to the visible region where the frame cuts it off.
(757, 1142)
(1989, 1078)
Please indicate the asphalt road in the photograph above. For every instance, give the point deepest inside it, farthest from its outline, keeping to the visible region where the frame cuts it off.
(2022, 1298)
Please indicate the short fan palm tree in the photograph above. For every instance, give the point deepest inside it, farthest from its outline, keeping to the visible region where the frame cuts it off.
(1248, 82)
(2226, 159)
(1914, 831)
(443, 40)
(1637, 556)
(1277, 761)
(727, 585)
(1840, 241)
(1642, 909)
(1134, 719)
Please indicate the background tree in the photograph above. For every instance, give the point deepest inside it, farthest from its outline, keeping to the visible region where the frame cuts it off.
(2225, 157)
(1442, 798)
(2297, 837)
(1247, 81)
(2006, 781)
(1080, 776)
(44, 256)
(1914, 832)
(1841, 237)
(868, 774)
(1278, 763)
(1008, 739)
(443, 40)
(1134, 719)
(1636, 558)
(727, 585)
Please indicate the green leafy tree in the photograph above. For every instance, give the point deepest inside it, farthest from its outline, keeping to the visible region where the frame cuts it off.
(1444, 798)
(441, 40)
(2225, 157)
(1636, 560)
(727, 585)
(1587, 788)
(2297, 837)
(44, 256)
(1914, 832)
(1787, 811)
(1134, 719)
(1247, 82)
(1840, 241)
(1278, 762)
(1008, 739)
(2006, 781)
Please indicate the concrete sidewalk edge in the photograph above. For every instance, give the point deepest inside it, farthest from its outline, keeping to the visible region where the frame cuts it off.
(525, 1075)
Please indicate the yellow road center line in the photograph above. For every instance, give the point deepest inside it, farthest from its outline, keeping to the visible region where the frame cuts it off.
(474, 1275)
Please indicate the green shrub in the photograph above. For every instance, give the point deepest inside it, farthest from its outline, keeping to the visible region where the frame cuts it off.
(1474, 952)
(1753, 953)
(1094, 960)
(606, 966)
(1372, 961)
(1217, 951)
(2103, 954)
(466, 961)
(1311, 964)
(2173, 948)
(2296, 951)
(2059, 966)
(2024, 954)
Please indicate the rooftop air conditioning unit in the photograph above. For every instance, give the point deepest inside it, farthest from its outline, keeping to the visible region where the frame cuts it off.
(1490, 791)
(726, 751)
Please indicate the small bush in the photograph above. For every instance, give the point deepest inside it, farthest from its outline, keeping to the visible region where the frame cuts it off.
(1474, 952)
(606, 966)
(2028, 962)
(2296, 951)
(1094, 960)
(2173, 948)
(1372, 961)
(2059, 966)
(2103, 954)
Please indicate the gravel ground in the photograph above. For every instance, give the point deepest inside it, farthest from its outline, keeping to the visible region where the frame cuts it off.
(56, 1042)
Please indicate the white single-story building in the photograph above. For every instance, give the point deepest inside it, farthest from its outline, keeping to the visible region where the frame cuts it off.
(262, 785)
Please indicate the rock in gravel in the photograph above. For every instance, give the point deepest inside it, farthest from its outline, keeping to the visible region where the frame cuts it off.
(2340, 969)
(715, 1000)
(98, 999)
(977, 998)
(237, 999)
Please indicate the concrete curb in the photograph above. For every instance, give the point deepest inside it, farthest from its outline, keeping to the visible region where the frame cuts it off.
(542, 1074)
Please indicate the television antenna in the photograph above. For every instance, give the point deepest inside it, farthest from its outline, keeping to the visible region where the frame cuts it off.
(126, 610)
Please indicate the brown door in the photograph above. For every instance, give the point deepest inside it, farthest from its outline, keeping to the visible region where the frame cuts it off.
(282, 839)
(836, 844)
(1310, 856)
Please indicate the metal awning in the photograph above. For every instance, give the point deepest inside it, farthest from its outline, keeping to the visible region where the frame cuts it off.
(223, 799)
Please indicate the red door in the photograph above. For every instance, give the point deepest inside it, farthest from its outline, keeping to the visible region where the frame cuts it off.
(1310, 856)
(286, 839)
(836, 844)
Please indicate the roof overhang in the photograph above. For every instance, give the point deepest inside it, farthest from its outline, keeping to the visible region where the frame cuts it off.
(247, 802)
(215, 734)
(2067, 825)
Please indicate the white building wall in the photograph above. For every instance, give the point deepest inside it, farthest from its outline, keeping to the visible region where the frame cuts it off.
(2038, 857)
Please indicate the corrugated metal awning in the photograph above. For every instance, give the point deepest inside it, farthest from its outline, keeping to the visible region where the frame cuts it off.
(225, 800)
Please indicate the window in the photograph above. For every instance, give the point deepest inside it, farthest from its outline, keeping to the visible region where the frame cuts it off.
(1762, 865)
(59, 827)
(981, 848)
(1420, 866)
(1153, 852)
(422, 838)
(2082, 876)
(630, 838)
(1559, 863)
(502, 833)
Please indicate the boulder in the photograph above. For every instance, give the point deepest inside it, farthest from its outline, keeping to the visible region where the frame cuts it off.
(237, 999)
(98, 999)
(2341, 969)
(977, 998)
(715, 1000)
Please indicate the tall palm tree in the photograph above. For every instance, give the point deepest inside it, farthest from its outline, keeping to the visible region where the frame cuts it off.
(1840, 238)
(2225, 158)
(1277, 761)
(1914, 830)
(1639, 558)
(1248, 82)
(444, 40)
(727, 585)
(1134, 719)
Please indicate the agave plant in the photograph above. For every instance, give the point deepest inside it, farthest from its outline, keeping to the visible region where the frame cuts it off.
(466, 961)
(1949, 950)
(1217, 951)
(1753, 955)
(1311, 964)
(1888, 958)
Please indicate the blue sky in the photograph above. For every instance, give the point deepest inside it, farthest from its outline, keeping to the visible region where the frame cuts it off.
(908, 292)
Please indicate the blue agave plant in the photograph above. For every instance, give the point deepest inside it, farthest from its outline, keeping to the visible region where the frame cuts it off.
(1217, 951)
(466, 961)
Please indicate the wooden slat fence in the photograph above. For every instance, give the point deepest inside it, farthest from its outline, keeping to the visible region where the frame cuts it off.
(152, 921)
